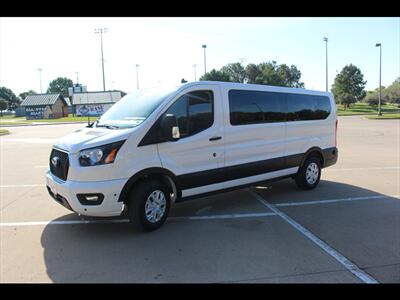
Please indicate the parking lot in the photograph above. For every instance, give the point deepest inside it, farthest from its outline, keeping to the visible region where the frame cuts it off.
(347, 230)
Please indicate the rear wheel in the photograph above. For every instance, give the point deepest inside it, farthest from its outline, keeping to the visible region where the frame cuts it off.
(148, 205)
(309, 174)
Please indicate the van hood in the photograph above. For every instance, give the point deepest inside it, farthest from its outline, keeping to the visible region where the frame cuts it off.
(91, 137)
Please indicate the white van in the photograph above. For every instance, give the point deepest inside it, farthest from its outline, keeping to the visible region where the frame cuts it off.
(160, 146)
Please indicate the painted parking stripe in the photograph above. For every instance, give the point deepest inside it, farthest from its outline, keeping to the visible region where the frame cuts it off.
(21, 185)
(355, 169)
(336, 200)
(328, 249)
(71, 222)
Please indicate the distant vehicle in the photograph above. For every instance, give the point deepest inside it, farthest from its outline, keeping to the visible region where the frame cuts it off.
(160, 146)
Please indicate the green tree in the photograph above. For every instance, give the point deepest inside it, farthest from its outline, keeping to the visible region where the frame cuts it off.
(24, 94)
(215, 75)
(236, 71)
(270, 73)
(350, 81)
(393, 92)
(8, 95)
(60, 85)
(3, 106)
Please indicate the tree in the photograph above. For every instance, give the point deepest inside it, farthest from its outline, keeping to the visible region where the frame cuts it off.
(60, 85)
(8, 95)
(270, 73)
(24, 94)
(215, 75)
(350, 81)
(3, 106)
(236, 72)
(393, 92)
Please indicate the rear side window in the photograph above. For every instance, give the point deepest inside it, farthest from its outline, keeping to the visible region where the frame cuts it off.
(252, 107)
(194, 112)
(307, 107)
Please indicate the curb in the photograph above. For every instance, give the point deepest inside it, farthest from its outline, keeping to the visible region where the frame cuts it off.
(49, 123)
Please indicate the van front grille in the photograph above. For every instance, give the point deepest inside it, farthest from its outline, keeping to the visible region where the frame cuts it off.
(59, 164)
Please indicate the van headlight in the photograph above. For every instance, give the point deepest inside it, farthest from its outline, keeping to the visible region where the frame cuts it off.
(100, 155)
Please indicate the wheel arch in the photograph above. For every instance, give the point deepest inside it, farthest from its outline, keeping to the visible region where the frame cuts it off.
(313, 151)
(162, 174)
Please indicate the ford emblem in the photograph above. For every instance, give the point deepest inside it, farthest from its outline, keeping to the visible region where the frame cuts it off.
(55, 161)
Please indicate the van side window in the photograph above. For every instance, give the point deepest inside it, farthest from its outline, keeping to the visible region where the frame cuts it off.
(252, 107)
(194, 112)
(307, 107)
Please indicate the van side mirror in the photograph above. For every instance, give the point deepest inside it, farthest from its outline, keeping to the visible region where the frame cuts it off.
(169, 127)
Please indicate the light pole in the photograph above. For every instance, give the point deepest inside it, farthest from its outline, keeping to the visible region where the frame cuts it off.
(77, 78)
(40, 78)
(380, 77)
(194, 68)
(137, 76)
(101, 31)
(205, 68)
(326, 54)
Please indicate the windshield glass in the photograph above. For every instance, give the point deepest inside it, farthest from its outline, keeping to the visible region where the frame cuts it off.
(135, 107)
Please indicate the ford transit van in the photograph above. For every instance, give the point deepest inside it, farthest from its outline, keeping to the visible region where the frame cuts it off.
(160, 146)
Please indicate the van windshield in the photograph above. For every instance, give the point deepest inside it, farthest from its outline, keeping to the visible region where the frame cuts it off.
(134, 108)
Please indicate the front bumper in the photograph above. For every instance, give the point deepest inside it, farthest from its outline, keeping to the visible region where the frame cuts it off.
(65, 193)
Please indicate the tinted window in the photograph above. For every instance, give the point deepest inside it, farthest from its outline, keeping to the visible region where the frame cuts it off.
(194, 112)
(251, 107)
(307, 107)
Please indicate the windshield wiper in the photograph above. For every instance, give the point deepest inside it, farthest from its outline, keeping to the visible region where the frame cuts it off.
(108, 126)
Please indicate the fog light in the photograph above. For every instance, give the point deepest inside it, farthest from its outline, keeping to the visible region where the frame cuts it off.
(90, 199)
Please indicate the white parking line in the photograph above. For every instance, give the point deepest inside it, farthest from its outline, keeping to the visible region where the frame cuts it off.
(355, 169)
(21, 185)
(328, 249)
(336, 200)
(69, 222)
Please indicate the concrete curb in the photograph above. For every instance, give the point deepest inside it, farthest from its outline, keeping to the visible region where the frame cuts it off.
(49, 123)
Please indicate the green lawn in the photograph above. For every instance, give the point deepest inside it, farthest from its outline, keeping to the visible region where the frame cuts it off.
(11, 120)
(360, 108)
(3, 131)
(387, 116)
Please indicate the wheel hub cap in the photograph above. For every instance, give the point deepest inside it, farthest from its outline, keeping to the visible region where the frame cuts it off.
(312, 173)
(155, 206)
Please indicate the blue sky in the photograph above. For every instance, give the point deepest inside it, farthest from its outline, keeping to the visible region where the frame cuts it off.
(166, 48)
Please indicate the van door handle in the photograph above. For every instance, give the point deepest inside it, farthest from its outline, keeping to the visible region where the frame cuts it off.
(215, 138)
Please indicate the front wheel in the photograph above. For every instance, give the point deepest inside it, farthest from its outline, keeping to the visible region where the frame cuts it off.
(309, 174)
(148, 205)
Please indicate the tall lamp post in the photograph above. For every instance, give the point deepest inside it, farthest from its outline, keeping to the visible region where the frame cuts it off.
(326, 61)
(380, 77)
(205, 68)
(101, 31)
(194, 68)
(137, 76)
(40, 78)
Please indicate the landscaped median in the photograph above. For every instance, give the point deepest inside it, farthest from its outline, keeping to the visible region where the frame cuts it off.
(361, 108)
(4, 131)
(385, 117)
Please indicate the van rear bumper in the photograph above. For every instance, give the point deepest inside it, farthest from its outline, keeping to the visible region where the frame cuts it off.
(330, 156)
(67, 194)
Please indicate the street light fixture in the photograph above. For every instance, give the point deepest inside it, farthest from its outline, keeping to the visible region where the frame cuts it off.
(380, 77)
(101, 31)
(326, 56)
(205, 68)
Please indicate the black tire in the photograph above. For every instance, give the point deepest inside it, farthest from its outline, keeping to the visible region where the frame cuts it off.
(137, 201)
(301, 177)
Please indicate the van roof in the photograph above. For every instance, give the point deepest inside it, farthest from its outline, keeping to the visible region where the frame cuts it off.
(262, 87)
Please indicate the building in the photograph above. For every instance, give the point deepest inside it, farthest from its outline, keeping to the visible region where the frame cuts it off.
(45, 106)
(94, 103)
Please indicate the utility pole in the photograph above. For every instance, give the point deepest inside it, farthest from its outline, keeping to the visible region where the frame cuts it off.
(194, 67)
(40, 78)
(137, 76)
(101, 31)
(205, 68)
(326, 56)
(380, 77)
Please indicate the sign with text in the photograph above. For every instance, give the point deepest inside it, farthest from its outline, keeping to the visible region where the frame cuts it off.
(92, 109)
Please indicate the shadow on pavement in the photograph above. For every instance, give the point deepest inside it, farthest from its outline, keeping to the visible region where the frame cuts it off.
(118, 253)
